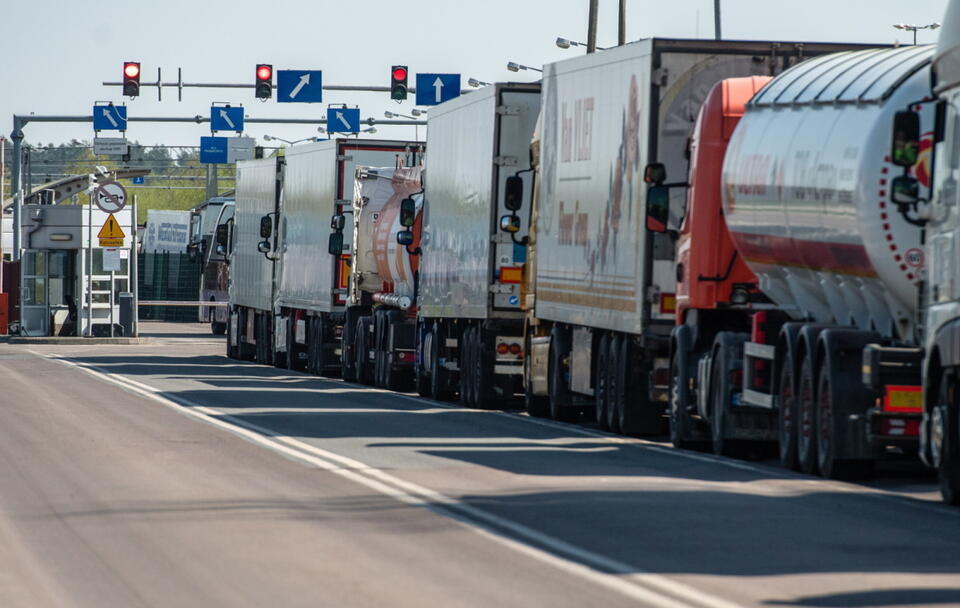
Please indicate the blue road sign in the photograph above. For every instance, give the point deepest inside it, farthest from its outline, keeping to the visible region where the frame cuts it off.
(109, 118)
(138, 180)
(303, 86)
(433, 89)
(226, 118)
(343, 120)
(213, 150)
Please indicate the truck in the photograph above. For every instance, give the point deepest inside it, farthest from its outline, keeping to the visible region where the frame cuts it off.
(797, 279)
(206, 219)
(940, 424)
(469, 322)
(254, 275)
(303, 301)
(599, 287)
(381, 308)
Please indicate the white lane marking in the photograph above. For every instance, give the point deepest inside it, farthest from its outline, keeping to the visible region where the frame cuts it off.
(653, 589)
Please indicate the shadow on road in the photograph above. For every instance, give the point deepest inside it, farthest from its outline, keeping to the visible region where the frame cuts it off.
(885, 597)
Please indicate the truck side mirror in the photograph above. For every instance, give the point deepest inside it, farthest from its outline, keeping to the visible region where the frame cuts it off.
(263, 247)
(510, 223)
(405, 238)
(658, 208)
(655, 173)
(513, 194)
(906, 139)
(335, 243)
(408, 212)
(266, 227)
(904, 190)
(338, 221)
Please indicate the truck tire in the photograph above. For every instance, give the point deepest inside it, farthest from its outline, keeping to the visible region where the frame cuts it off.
(245, 350)
(727, 357)
(348, 346)
(602, 374)
(233, 352)
(807, 417)
(440, 388)
(561, 399)
(614, 390)
(629, 394)
(828, 396)
(377, 346)
(466, 367)
(421, 378)
(393, 379)
(364, 371)
(681, 425)
(787, 415)
(537, 406)
(945, 440)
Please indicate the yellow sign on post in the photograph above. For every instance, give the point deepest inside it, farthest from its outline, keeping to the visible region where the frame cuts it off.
(111, 234)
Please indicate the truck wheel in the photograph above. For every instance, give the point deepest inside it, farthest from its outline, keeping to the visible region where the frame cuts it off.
(629, 394)
(727, 357)
(680, 423)
(829, 465)
(363, 367)
(536, 405)
(463, 346)
(420, 378)
(561, 399)
(614, 390)
(787, 416)
(601, 395)
(806, 418)
(439, 385)
(945, 441)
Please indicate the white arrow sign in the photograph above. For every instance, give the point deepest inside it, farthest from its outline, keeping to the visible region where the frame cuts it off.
(109, 116)
(226, 116)
(437, 87)
(304, 81)
(346, 125)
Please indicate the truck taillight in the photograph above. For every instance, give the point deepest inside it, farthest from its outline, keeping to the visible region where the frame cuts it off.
(502, 348)
(899, 427)
(515, 349)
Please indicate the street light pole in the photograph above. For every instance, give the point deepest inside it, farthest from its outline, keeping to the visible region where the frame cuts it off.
(622, 24)
(592, 27)
(913, 28)
(716, 19)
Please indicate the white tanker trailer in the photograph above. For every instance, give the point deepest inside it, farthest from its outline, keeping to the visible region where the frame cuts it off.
(823, 271)
(379, 346)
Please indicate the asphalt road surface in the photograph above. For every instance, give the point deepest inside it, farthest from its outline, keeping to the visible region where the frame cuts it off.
(164, 474)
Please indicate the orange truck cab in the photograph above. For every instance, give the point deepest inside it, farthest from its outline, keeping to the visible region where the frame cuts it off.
(709, 269)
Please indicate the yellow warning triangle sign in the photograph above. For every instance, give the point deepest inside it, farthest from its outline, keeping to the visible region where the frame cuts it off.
(111, 229)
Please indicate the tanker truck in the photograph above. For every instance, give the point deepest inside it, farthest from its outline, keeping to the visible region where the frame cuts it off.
(381, 307)
(599, 284)
(797, 280)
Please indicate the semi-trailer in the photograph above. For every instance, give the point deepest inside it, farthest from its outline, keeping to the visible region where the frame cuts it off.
(795, 273)
(600, 282)
(470, 325)
(310, 309)
(293, 296)
(381, 294)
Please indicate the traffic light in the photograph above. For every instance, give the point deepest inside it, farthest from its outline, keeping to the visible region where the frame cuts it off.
(131, 78)
(264, 81)
(398, 82)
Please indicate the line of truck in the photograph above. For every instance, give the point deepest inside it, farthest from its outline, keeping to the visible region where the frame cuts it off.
(742, 244)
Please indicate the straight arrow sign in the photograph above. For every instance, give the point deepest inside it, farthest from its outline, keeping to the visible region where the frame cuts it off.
(434, 89)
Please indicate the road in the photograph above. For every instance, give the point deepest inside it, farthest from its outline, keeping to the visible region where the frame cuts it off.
(164, 474)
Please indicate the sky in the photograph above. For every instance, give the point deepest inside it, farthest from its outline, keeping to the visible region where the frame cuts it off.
(59, 52)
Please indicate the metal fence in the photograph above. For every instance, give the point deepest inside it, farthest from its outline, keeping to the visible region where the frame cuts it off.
(172, 277)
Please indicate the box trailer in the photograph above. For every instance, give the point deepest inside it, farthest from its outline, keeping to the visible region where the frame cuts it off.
(470, 323)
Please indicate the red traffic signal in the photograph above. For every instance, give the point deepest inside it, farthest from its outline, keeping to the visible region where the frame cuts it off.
(398, 82)
(264, 82)
(131, 78)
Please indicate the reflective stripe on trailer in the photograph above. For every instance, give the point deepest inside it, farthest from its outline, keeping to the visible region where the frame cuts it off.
(903, 398)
